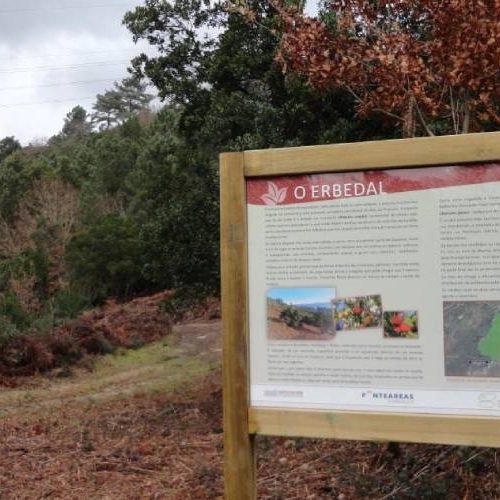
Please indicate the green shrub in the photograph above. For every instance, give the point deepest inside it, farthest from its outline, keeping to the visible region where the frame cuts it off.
(68, 303)
(13, 312)
(8, 330)
(180, 233)
(17, 174)
(105, 259)
(291, 317)
(183, 300)
(38, 264)
(116, 157)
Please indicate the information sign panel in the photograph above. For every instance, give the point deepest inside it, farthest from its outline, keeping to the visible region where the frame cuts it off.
(360, 294)
(376, 290)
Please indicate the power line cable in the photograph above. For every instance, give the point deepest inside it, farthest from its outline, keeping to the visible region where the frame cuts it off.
(68, 7)
(73, 99)
(61, 84)
(62, 54)
(62, 67)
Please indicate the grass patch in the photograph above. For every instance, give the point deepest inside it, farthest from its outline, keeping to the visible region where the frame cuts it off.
(155, 368)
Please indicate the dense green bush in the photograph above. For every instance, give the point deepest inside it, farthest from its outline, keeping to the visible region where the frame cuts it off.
(183, 300)
(17, 173)
(12, 311)
(106, 258)
(292, 317)
(68, 303)
(116, 159)
(180, 236)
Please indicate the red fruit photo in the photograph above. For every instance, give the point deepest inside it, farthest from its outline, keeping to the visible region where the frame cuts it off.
(356, 313)
(401, 324)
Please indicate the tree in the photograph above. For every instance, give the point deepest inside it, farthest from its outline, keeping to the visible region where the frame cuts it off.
(106, 109)
(133, 95)
(125, 100)
(7, 146)
(430, 65)
(106, 258)
(228, 94)
(17, 174)
(76, 123)
(176, 207)
(116, 159)
(233, 94)
(175, 30)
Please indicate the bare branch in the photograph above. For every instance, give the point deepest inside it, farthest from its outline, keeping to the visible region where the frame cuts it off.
(422, 120)
(453, 112)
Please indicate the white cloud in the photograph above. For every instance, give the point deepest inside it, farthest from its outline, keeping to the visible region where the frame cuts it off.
(55, 57)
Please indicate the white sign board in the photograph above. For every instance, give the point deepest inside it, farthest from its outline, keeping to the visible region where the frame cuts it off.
(376, 290)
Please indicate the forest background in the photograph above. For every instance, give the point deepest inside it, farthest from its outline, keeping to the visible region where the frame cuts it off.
(123, 202)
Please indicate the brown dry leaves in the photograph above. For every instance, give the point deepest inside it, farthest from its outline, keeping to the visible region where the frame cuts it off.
(130, 325)
(414, 60)
(127, 324)
(144, 447)
(169, 446)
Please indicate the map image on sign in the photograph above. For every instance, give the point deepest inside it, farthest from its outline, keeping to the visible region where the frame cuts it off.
(472, 338)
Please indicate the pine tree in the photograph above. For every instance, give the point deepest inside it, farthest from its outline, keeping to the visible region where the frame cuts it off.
(126, 99)
(76, 123)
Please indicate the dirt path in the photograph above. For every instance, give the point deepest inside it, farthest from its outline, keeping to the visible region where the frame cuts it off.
(192, 348)
(134, 427)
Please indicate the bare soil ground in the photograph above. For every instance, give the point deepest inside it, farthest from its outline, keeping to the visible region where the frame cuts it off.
(277, 329)
(147, 424)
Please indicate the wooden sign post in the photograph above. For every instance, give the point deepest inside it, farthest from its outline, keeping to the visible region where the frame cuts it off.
(360, 295)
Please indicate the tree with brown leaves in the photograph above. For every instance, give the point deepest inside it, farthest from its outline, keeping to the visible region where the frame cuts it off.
(431, 65)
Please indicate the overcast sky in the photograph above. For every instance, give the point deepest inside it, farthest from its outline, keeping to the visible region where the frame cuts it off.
(55, 54)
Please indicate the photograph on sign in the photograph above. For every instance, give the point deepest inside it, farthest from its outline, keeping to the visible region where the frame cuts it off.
(355, 313)
(376, 290)
(300, 314)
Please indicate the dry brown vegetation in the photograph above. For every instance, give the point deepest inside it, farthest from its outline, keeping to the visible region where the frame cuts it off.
(98, 331)
(414, 62)
(147, 424)
(52, 202)
(278, 330)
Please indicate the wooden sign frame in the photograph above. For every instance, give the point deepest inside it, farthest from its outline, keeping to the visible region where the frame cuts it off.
(241, 422)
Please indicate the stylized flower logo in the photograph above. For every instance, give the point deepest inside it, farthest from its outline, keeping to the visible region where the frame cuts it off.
(274, 194)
